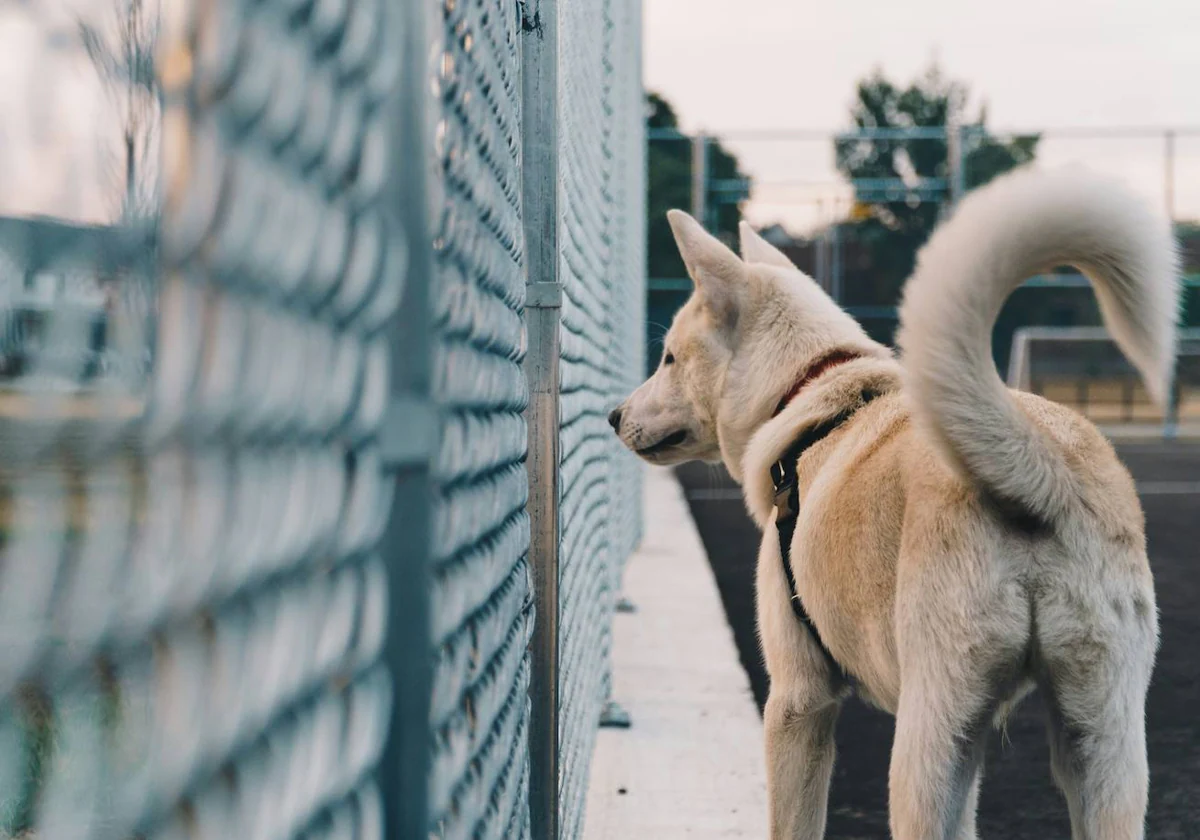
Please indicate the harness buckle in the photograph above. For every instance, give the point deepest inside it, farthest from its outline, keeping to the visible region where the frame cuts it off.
(785, 486)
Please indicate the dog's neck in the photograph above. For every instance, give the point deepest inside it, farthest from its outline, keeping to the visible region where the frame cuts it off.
(767, 392)
(814, 371)
(790, 338)
(843, 388)
(763, 391)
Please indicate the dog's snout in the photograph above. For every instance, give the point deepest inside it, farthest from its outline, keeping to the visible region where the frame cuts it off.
(614, 419)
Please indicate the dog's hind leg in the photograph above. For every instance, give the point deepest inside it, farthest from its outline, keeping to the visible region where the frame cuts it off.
(966, 825)
(1095, 674)
(936, 761)
(962, 656)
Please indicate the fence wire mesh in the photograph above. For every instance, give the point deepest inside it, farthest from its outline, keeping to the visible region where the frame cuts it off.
(482, 593)
(627, 268)
(585, 592)
(193, 382)
(601, 167)
(480, 601)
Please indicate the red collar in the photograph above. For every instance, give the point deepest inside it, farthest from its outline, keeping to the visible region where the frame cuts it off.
(820, 366)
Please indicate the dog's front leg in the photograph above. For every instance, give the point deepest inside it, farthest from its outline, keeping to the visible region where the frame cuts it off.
(800, 753)
(801, 710)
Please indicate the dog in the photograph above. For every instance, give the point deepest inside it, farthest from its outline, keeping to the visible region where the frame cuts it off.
(954, 544)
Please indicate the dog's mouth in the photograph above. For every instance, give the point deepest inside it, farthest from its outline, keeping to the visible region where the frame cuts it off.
(670, 441)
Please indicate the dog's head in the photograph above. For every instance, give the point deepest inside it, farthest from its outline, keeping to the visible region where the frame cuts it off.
(748, 331)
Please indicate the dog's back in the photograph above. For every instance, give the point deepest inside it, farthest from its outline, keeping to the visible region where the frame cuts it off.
(882, 511)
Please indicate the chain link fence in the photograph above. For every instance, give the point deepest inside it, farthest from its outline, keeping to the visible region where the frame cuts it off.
(266, 567)
(537, 225)
(480, 609)
(599, 110)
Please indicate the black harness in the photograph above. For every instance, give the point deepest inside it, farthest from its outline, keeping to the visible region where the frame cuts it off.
(787, 508)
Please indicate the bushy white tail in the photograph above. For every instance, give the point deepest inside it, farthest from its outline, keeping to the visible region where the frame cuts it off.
(1019, 225)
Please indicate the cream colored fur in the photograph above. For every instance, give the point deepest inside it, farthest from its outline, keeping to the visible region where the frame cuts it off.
(958, 544)
(1023, 224)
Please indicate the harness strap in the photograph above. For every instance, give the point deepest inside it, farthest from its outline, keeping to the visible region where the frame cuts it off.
(787, 509)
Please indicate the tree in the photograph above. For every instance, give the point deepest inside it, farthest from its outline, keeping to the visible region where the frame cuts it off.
(893, 227)
(670, 186)
(122, 50)
(121, 47)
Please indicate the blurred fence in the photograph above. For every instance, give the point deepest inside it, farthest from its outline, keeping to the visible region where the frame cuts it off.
(856, 237)
(194, 383)
(790, 177)
(1082, 367)
(268, 490)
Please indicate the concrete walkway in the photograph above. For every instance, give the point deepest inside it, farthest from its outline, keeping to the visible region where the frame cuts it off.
(691, 764)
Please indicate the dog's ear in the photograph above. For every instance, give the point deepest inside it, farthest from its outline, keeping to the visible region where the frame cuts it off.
(719, 274)
(755, 249)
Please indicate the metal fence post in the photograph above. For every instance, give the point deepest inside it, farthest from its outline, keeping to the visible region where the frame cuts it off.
(956, 136)
(539, 68)
(1171, 409)
(407, 441)
(700, 179)
(1169, 167)
(821, 251)
(835, 260)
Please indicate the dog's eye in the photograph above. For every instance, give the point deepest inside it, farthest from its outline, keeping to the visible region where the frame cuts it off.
(669, 359)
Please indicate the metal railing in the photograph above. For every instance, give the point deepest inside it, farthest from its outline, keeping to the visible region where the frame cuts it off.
(791, 173)
(542, 367)
(790, 184)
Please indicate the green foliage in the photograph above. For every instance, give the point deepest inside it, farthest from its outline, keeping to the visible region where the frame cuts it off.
(670, 186)
(892, 230)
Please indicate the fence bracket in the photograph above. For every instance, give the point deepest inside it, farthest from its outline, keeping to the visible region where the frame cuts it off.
(614, 716)
(408, 432)
(543, 296)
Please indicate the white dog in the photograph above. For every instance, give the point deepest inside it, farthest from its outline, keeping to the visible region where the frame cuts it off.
(954, 544)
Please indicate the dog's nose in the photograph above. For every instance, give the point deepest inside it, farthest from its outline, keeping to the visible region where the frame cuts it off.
(614, 419)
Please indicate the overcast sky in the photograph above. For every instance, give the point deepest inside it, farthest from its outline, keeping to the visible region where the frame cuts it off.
(59, 130)
(730, 65)
(737, 65)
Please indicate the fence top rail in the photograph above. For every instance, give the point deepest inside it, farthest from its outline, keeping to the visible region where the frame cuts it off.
(1086, 333)
(1099, 132)
(39, 243)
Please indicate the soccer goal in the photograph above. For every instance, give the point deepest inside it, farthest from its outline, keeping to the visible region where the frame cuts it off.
(1082, 367)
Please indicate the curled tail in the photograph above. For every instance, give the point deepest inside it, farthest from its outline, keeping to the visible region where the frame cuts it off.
(1017, 226)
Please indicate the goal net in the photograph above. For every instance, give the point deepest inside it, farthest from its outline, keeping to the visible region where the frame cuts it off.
(1083, 368)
